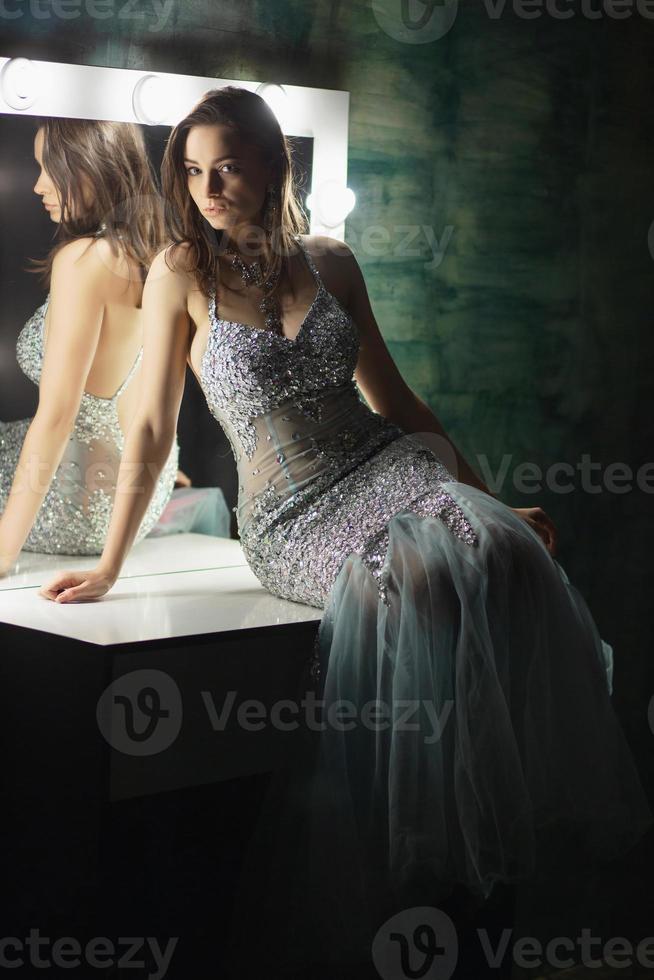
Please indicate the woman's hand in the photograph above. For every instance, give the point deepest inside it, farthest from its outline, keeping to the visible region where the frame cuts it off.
(542, 524)
(78, 586)
(182, 480)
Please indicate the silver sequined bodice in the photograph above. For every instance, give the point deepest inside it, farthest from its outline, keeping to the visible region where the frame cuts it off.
(320, 473)
(75, 514)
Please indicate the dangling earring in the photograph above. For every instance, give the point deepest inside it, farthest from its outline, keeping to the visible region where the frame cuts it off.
(270, 210)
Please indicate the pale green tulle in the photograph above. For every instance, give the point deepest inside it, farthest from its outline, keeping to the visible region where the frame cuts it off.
(529, 767)
(199, 510)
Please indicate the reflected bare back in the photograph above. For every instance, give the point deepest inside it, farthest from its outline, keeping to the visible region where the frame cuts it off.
(121, 336)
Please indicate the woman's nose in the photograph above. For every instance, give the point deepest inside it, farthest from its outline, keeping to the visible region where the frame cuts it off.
(213, 184)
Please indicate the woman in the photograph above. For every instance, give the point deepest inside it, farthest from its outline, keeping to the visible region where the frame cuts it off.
(58, 470)
(434, 592)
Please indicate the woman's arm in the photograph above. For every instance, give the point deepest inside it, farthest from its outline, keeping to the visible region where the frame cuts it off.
(77, 288)
(388, 394)
(166, 338)
(378, 377)
(166, 334)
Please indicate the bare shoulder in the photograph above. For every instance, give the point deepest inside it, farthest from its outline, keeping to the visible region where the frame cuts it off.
(80, 255)
(175, 258)
(323, 246)
(91, 262)
(171, 269)
(335, 262)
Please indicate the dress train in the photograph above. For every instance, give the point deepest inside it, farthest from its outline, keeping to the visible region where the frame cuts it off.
(475, 743)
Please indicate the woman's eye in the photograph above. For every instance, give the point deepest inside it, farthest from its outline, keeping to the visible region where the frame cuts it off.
(234, 169)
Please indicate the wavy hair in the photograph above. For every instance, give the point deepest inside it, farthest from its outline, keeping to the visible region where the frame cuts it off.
(256, 124)
(126, 209)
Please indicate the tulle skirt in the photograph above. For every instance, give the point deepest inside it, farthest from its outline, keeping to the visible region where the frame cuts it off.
(468, 737)
(200, 510)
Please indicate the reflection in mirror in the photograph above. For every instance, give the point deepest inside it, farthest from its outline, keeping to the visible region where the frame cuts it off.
(94, 184)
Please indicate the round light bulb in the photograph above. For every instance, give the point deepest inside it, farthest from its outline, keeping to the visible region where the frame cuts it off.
(277, 98)
(331, 203)
(21, 82)
(149, 100)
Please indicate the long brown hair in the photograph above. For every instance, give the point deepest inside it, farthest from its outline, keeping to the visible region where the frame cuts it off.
(255, 123)
(126, 209)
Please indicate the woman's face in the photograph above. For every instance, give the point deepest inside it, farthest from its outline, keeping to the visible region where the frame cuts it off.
(45, 187)
(226, 177)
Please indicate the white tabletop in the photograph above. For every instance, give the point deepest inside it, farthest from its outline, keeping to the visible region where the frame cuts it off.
(176, 585)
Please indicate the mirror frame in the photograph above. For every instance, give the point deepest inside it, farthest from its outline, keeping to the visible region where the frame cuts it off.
(96, 92)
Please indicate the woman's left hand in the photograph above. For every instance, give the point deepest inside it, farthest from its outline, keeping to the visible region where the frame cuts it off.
(182, 480)
(543, 525)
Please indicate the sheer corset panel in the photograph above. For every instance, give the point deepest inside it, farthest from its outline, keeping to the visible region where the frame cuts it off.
(293, 452)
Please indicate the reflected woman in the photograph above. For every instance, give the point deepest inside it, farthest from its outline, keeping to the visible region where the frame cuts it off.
(83, 345)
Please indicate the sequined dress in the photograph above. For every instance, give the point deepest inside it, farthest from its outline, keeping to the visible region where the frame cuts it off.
(441, 605)
(74, 516)
(312, 457)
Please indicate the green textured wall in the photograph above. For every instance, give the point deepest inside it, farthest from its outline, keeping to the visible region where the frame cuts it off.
(532, 142)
